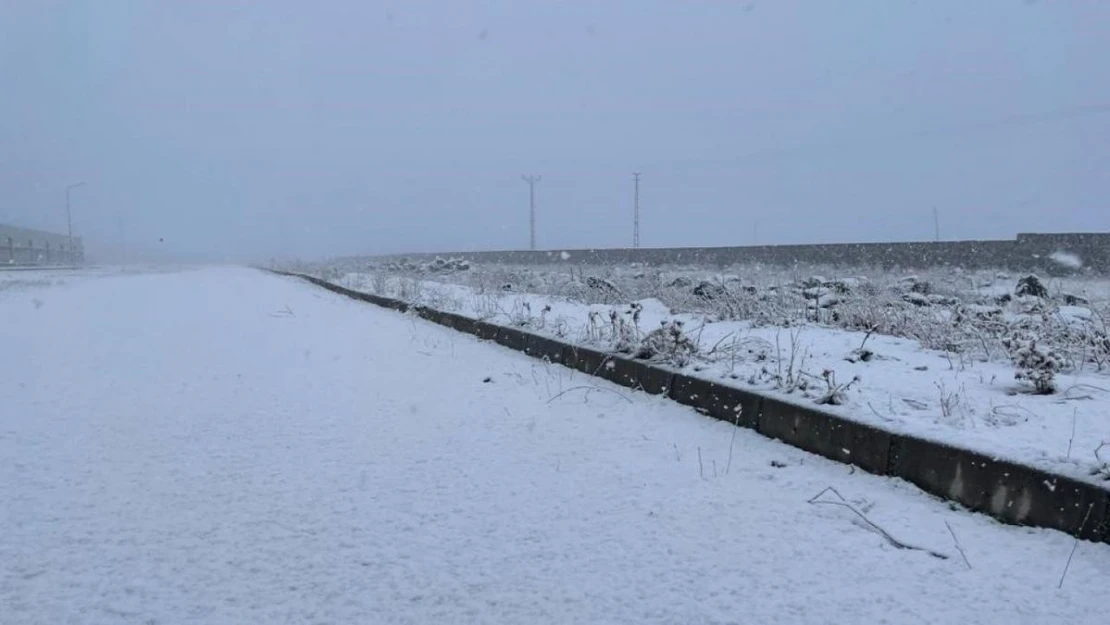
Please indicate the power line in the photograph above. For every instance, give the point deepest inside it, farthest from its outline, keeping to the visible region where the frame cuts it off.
(532, 180)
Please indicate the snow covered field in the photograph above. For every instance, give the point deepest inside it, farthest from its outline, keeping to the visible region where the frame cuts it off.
(22, 279)
(753, 331)
(227, 446)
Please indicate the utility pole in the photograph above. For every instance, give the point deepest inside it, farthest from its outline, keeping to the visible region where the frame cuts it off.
(636, 211)
(69, 221)
(936, 224)
(122, 238)
(532, 180)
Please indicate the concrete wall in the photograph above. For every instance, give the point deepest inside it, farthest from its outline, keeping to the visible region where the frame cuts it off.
(1028, 252)
(23, 246)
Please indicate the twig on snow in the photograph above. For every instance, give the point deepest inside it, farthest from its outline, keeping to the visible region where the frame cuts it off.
(284, 312)
(701, 469)
(1075, 545)
(718, 343)
(1086, 386)
(816, 499)
(958, 546)
(1099, 448)
(1074, 414)
(877, 414)
(588, 390)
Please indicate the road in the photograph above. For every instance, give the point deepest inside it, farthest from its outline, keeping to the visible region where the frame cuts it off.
(222, 445)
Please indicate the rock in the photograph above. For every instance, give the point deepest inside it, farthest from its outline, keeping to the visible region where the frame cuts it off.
(922, 287)
(982, 312)
(822, 296)
(816, 292)
(680, 283)
(601, 284)
(942, 300)
(1031, 286)
(917, 299)
(844, 286)
(1071, 299)
(861, 354)
(709, 291)
(915, 285)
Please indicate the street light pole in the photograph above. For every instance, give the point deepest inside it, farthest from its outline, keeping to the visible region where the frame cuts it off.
(69, 219)
(531, 180)
(636, 212)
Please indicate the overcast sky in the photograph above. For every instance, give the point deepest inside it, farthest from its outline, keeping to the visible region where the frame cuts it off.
(246, 130)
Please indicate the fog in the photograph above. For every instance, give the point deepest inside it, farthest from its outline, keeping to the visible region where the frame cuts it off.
(248, 130)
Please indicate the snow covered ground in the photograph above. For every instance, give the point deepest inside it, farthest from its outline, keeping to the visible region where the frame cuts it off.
(227, 446)
(967, 399)
(20, 279)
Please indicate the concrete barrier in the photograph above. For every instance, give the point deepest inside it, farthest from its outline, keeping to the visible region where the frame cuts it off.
(454, 321)
(485, 330)
(721, 402)
(826, 435)
(546, 349)
(584, 359)
(638, 375)
(1010, 492)
(512, 338)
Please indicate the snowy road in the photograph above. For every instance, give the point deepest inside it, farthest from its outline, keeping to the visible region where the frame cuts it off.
(225, 446)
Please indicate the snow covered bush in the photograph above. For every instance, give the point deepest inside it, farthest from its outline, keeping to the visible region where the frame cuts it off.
(1035, 364)
(835, 394)
(668, 343)
(625, 329)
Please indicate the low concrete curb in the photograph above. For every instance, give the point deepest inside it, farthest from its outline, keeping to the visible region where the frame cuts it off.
(1010, 492)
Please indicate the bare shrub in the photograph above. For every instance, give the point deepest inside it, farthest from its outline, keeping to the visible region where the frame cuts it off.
(668, 343)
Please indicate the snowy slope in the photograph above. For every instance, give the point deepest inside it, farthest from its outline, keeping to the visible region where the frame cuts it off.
(225, 446)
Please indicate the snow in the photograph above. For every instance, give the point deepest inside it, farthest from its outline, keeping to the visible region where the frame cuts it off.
(902, 388)
(1066, 259)
(226, 446)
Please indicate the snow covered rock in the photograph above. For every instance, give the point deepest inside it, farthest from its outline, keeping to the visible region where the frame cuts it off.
(680, 283)
(1074, 300)
(917, 299)
(1031, 286)
(709, 291)
(602, 285)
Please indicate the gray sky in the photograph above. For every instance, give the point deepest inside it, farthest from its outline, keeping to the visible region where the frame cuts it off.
(245, 130)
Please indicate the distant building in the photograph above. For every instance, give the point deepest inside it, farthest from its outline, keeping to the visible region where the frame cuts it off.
(23, 246)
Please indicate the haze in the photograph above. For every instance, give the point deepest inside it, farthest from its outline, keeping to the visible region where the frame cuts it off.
(220, 130)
